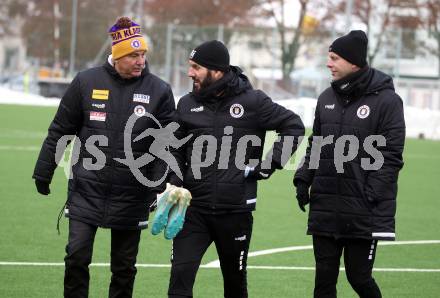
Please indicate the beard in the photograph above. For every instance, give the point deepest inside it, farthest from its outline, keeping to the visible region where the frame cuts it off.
(207, 81)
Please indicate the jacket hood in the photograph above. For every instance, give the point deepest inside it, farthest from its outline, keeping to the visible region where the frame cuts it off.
(380, 81)
(239, 82)
(365, 81)
(233, 82)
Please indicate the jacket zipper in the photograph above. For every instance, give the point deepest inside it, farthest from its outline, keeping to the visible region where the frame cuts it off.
(344, 104)
(337, 174)
(216, 106)
(112, 162)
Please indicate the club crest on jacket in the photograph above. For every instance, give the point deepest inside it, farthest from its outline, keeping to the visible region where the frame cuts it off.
(363, 111)
(139, 110)
(236, 110)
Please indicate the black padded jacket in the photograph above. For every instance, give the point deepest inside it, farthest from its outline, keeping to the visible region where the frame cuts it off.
(228, 132)
(361, 201)
(100, 102)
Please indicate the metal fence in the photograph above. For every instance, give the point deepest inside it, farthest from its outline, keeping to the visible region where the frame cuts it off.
(257, 50)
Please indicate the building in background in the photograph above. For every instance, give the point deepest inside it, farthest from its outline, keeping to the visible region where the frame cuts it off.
(13, 58)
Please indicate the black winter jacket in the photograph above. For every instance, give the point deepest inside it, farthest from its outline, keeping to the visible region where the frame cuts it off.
(99, 102)
(237, 114)
(358, 203)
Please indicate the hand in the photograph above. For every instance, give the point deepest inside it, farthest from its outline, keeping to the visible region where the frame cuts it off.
(302, 195)
(42, 187)
(257, 173)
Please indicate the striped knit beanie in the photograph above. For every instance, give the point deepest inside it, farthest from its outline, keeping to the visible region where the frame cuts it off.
(126, 38)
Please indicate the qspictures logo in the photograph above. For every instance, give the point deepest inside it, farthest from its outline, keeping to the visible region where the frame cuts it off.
(205, 150)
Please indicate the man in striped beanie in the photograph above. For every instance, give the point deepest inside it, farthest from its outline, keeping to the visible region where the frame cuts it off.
(128, 48)
(99, 105)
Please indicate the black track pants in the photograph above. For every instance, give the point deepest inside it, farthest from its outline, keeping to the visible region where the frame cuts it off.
(358, 258)
(79, 250)
(231, 234)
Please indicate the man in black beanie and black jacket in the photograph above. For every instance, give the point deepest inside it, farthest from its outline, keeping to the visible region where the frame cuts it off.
(352, 202)
(221, 164)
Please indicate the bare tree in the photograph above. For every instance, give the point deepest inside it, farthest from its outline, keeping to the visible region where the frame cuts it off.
(37, 19)
(9, 11)
(383, 14)
(290, 40)
(433, 25)
(187, 23)
(200, 12)
(233, 13)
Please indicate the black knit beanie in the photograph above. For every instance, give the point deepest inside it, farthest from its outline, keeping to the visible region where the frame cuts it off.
(212, 55)
(352, 47)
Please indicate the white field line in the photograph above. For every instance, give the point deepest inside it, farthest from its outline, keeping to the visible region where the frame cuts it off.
(43, 264)
(19, 148)
(420, 156)
(22, 134)
(342, 269)
(215, 264)
(307, 247)
(416, 242)
(13, 97)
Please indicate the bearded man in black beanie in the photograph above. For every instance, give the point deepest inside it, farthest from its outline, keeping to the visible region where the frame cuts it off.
(352, 200)
(223, 113)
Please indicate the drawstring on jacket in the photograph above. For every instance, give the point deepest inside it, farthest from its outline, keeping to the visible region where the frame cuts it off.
(60, 214)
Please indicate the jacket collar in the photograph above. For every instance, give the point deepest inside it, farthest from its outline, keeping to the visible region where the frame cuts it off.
(354, 85)
(109, 67)
(232, 83)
